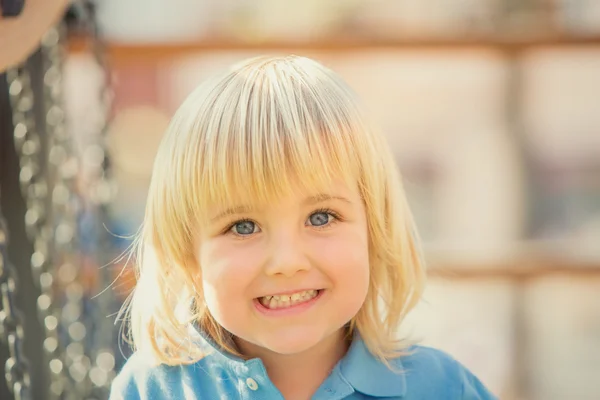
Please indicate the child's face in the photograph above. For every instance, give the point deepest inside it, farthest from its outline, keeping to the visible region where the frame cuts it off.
(286, 276)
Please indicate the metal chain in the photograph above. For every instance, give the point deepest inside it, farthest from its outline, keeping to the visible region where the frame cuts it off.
(11, 325)
(67, 206)
(101, 190)
(90, 353)
(49, 184)
(35, 185)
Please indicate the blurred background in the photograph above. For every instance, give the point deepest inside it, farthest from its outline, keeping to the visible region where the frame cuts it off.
(492, 108)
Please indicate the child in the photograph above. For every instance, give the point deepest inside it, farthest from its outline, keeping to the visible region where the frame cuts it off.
(278, 255)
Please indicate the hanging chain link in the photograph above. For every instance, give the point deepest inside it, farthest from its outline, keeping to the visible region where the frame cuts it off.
(90, 351)
(36, 185)
(64, 167)
(81, 361)
(102, 191)
(11, 325)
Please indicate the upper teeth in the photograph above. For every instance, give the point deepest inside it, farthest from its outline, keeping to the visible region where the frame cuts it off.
(286, 300)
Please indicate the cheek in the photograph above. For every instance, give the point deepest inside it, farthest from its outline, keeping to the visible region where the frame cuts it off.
(346, 260)
(227, 272)
(225, 264)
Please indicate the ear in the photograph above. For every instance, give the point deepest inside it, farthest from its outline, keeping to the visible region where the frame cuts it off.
(21, 35)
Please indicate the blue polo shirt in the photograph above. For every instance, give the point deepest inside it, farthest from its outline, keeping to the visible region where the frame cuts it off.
(426, 374)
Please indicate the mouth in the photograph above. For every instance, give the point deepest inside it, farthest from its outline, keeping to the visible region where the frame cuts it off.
(282, 301)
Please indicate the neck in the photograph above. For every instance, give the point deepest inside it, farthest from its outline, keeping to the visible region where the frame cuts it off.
(298, 376)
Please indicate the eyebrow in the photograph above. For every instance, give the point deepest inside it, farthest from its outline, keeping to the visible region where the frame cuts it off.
(231, 211)
(319, 198)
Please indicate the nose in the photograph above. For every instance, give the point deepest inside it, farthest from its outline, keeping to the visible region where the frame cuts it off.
(287, 256)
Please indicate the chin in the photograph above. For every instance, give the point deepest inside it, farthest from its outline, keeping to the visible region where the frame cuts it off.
(289, 347)
(288, 342)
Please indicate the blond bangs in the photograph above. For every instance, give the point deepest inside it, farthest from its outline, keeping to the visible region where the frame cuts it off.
(268, 129)
(248, 138)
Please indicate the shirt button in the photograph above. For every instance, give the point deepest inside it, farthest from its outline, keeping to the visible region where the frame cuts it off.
(251, 383)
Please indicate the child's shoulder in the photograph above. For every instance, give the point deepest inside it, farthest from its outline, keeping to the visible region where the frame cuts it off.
(419, 358)
(143, 378)
(136, 376)
(437, 374)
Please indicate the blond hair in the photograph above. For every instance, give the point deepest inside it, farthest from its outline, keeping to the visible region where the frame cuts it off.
(264, 125)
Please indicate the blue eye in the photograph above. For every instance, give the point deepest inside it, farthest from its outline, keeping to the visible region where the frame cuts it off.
(319, 218)
(244, 228)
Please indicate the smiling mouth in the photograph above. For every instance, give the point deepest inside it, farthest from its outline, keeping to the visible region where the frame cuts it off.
(288, 300)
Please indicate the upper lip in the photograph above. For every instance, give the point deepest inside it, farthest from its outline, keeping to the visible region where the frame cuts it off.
(288, 292)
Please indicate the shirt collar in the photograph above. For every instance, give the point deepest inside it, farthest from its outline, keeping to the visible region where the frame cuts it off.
(362, 371)
(368, 375)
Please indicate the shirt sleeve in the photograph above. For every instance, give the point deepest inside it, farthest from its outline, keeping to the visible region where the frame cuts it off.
(123, 387)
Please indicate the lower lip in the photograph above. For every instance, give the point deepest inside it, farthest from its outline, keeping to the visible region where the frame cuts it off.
(292, 310)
